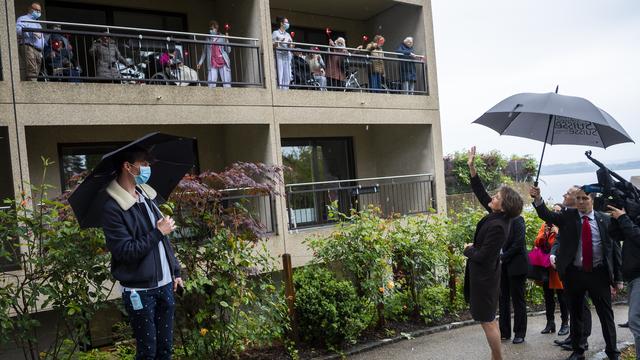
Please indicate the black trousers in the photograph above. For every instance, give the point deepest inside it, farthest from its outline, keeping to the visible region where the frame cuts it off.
(586, 319)
(550, 304)
(512, 289)
(596, 283)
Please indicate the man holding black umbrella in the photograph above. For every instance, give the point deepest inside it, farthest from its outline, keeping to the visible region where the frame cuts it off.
(589, 261)
(143, 260)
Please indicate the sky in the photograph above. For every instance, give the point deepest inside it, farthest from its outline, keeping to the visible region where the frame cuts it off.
(488, 50)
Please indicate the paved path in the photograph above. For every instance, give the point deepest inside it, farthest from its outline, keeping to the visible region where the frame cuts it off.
(469, 343)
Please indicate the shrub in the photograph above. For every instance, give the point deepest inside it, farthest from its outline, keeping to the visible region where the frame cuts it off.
(328, 310)
(420, 258)
(361, 246)
(63, 268)
(230, 302)
(434, 303)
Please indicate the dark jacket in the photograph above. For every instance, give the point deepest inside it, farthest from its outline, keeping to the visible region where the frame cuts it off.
(514, 252)
(570, 227)
(407, 68)
(630, 248)
(482, 274)
(133, 240)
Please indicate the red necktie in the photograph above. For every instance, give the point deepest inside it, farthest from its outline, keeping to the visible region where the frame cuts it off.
(587, 247)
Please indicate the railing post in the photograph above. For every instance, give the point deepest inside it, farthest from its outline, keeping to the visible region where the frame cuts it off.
(290, 295)
(434, 201)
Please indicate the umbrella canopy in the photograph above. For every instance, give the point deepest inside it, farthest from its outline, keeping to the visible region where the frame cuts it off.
(554, 119)
(173, 157)
(574, 120)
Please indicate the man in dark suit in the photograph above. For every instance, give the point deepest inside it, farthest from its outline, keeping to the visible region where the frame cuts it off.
(569, 200)
(513, 279)
(588, 260)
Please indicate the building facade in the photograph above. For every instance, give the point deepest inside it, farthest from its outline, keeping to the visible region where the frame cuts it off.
(353, 140)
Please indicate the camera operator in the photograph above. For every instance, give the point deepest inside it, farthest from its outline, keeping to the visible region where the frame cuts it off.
(630, 268)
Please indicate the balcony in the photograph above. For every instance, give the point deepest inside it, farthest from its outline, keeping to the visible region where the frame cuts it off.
(308, 203)
(76, 52)
(323, 67)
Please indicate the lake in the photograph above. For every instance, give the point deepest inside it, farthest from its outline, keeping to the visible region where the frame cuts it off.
(554, 186)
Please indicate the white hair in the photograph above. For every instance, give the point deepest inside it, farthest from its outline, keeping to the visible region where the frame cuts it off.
(408, 38)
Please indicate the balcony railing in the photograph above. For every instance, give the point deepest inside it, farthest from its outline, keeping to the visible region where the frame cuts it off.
(260, 206)
(350, 69)
(98, 53)
(308, 203)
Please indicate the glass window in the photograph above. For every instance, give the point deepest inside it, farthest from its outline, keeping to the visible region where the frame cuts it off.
(76, 159)
(6, 189)
(320, 161)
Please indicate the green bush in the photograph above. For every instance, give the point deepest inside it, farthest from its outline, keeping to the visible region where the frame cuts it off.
(420, 256)
(434, 303)
(328, 310)
(361, 247)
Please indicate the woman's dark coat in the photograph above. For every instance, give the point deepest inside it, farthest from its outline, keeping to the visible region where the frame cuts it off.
(482, 274)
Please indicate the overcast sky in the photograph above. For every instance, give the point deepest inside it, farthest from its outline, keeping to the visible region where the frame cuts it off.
(489, 50)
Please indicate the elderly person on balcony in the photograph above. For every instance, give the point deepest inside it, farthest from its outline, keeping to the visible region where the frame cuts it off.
(282, 40)
(216, 56)
(31, 42)
(334, 71)
(407, 68)
(106, 54)
(316, 65)
(377, 64)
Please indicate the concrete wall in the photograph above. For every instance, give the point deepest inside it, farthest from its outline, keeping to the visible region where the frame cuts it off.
(394, 31)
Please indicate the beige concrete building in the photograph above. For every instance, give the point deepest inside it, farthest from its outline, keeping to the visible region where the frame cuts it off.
(358, 143)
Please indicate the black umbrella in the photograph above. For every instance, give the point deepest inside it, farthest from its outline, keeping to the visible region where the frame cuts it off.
(173, 157)
(554, 119)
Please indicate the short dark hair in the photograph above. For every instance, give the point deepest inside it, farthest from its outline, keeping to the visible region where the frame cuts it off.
(280, 20)
(30, 7)
(214, 23)
(131, 155)
(512, 202)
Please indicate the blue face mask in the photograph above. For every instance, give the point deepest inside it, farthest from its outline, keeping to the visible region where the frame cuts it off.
(35, 15)
(143, 177)
(286, 26)
(213, 32)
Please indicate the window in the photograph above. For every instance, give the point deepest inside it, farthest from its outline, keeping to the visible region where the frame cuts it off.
(75, 159)
(6, 189)
(319, 161)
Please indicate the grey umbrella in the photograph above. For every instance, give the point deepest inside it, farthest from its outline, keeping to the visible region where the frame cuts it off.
(554, 119)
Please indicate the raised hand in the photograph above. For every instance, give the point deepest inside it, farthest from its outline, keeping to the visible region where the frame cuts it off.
(470, 161)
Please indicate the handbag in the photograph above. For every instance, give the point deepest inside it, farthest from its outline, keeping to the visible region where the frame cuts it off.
(538, 273)
(539, 263)
(538, 257)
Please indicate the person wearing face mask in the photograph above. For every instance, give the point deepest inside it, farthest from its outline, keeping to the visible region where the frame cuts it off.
(142, 258)
(483, 269)
(31, 42)
(216, 56)
(282, 40)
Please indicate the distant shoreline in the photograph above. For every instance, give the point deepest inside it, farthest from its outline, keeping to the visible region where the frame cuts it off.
(585, 167)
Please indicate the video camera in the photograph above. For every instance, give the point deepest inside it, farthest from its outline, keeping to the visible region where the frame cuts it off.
(620, 194)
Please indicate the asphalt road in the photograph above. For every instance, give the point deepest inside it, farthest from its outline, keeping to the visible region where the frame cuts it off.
(469, 343)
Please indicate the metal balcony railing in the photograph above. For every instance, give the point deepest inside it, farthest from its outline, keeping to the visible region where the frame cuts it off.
(75, 52)
(322, 67)
(260, 206)
(308, 203)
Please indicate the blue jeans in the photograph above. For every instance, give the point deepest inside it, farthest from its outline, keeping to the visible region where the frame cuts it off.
(375, 81)
(634, 312)
(153, 324)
